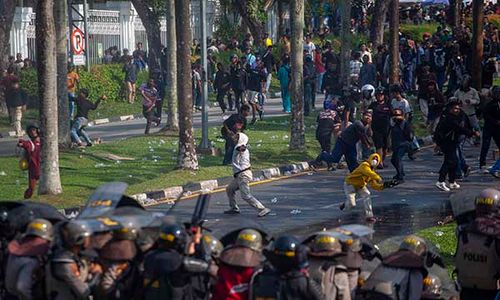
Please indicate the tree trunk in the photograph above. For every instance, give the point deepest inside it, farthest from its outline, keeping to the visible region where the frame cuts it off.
(187, 152)
(7, 10)
(151, 23)
(394, 42)
(255, 26)
(281, 19)
(345, 48)
(61, 15)
(297, 135)
(454, 13)
(477, 43)
(171, 93)
(50, 181)
(377, 24)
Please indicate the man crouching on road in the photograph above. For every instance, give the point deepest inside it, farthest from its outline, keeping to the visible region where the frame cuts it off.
(242, 177)
(356, 182)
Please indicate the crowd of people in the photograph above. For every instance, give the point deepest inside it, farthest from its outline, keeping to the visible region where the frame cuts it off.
(97, 257)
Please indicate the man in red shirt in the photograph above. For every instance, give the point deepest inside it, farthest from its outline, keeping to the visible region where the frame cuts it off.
(32, 148)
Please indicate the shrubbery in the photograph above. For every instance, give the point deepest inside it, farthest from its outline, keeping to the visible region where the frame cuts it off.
(102, 79)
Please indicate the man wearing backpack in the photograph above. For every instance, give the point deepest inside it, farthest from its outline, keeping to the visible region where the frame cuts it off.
(439, 64)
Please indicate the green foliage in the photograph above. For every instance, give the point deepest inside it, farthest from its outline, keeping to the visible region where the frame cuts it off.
(445, 240)
(416, 31)
(29, 81)
(255, 10)
(226, 30)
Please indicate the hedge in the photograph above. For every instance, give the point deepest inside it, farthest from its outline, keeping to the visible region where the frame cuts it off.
(102, 79)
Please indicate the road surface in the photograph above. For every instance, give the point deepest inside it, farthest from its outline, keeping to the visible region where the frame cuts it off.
(119, 130)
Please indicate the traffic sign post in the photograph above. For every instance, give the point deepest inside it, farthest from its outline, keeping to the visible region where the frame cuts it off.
(77, 41)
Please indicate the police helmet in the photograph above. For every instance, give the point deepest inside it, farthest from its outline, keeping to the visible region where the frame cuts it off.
(286, 246)
(414, 244)
(249, 238)
(432, 287)
(368, 91)
(126, 233)
(40, 228)
(173, 236)
(75, 233)
(212, 245)
(488, 202)
(325, 245)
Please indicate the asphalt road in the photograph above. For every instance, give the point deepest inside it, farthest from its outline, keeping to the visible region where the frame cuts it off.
(303, 204)
(120, 130)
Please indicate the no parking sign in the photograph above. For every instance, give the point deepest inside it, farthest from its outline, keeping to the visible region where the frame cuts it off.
(77, 41)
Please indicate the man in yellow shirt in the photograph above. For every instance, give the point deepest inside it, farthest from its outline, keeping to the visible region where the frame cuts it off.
(356, 182)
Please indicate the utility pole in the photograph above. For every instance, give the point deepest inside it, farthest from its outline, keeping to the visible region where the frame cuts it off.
(86, 29)
(205, 143)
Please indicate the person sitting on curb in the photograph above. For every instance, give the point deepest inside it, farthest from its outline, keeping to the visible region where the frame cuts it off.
(83, 106)
(242, 177)
(355, 185)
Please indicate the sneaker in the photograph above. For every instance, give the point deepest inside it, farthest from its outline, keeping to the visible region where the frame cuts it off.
(371, 219)
(454, 186)
(442, 186)
(483, 170)
(260, 114)
(90, 144)
(496, 174)
(342, 206)
(263, 212)
(232, 212)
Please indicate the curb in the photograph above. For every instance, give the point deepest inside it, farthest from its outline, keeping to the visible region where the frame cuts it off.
(95, 122)
(170, 194)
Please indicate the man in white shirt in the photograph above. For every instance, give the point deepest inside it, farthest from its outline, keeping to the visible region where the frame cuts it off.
(469, 97)
(309, 46)
(398, 102)
(242, 174)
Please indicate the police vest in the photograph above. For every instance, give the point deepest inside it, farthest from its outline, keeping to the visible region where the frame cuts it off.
(56, 288)
(265, 285)
(327, 275)
(387, 283)
(477, 261)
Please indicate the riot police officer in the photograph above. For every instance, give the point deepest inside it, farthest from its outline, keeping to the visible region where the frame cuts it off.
(432, 288)
(477, 259)
(26, 260)
(68, 274)
(291, 280)
(119, 257)
(209, 250)
(325, 267)
(401, 274)
(238, 263)
(168, 269)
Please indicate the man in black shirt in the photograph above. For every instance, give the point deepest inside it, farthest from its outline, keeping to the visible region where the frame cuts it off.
(83, 106)
(382, 112)
(15, 99)
(238, 77)
(222, 84)
(270, 64)
(230, 128)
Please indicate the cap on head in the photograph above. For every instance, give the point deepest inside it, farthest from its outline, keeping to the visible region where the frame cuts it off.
(488, 202)
(249, 238)
(414, 244)
(41, 228)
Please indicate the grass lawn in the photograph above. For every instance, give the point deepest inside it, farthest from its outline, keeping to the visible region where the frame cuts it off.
(154, 161)
(444, 239)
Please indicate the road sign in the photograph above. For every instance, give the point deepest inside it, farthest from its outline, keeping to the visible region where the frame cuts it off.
(77, 41)
(79, 60)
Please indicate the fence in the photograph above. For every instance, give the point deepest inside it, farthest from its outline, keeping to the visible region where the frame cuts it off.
(119, 26)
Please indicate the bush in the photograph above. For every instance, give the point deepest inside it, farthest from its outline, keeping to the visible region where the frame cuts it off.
(416, 31)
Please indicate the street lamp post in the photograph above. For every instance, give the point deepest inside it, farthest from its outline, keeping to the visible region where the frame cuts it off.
(205, 143)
